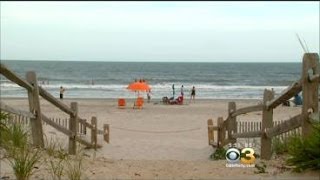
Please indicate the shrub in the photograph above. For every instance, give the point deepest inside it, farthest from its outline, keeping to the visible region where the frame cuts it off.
(279, 146)
(75, 169)
(23, 162)
(220, 153)
(261, 168)
(304, 153)
(14, 140)
(57, 158)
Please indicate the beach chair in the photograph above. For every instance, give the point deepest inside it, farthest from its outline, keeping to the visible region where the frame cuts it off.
(138, 103)
(121, 103)
(179, 100)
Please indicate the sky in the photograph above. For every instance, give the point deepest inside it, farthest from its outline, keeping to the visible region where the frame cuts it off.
(158, 31)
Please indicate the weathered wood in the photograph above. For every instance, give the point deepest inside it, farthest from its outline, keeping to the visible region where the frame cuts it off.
(267, 122)
(47, 96)
(225, 142)
(232, 121)
(249, 109)
(94, 131)
(85, 127)
(34, 106)
(210, 131)
(310, 90)
(106, 135)
(73, 127)
(286, 126)
(9, 109)
(99, 131)
(294, 89)
(313, 77)
(86, 143)
(85, 123)
(251, 134)
(221, 132)
(57, 126)
(14, 77)
(246, 126)
(66, 125)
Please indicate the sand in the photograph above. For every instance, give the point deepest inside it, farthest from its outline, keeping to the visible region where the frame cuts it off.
(156, 142)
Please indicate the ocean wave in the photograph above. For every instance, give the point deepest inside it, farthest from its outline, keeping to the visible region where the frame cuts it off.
(159, 86)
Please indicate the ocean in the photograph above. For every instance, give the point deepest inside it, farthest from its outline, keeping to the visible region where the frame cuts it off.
(110, 79)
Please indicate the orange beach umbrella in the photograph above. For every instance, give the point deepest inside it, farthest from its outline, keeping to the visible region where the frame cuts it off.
(139, 86)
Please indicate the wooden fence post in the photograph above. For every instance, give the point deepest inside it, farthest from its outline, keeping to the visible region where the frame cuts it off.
(221, 132)
(34, 106)
(73, 127)
(309, 91)
(210, 132)
(267, 122)
(232, 122)
(85, 127)
(94, 132)
(106, 134)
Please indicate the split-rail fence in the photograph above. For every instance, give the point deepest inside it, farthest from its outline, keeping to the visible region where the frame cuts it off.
(74, 127)
(229, 129)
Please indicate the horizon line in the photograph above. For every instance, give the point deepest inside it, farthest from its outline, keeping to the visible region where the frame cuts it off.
(154, 61)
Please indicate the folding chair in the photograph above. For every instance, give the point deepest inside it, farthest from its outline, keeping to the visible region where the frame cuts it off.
(121, 103)
(138, 103)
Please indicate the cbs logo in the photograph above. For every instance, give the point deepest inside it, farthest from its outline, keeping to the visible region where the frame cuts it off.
(246, 156)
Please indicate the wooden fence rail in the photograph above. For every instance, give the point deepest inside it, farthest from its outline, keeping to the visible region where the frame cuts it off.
(249, 109)
(47, 96)
(294, 89)
(72, 127)
(230, 129)
(12, 110)
(14, 78)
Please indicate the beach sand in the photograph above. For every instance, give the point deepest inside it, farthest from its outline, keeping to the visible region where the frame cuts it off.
(156, 142)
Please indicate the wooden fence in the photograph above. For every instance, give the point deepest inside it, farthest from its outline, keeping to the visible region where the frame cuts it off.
(230, 129)
(72, 127)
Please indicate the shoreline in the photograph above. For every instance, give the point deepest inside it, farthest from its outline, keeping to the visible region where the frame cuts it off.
(154, 99)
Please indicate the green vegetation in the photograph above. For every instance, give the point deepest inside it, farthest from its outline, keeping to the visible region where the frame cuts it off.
(57, 158)
(14, 140)
(261, 168)
(75, 169)
(61, 164)
(24, 161)
(279, 146)
(220, 153)
(304, 153)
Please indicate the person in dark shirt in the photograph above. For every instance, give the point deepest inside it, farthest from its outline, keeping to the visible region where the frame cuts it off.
(61, 92)
(297, 100)
(193, 94)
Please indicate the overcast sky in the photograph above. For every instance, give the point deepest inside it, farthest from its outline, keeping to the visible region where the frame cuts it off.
(158, 31)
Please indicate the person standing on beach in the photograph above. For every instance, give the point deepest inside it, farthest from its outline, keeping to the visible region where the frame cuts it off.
(61, 92)
(182, 91)
(149, 96)
(173, 90)
(193, 94)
